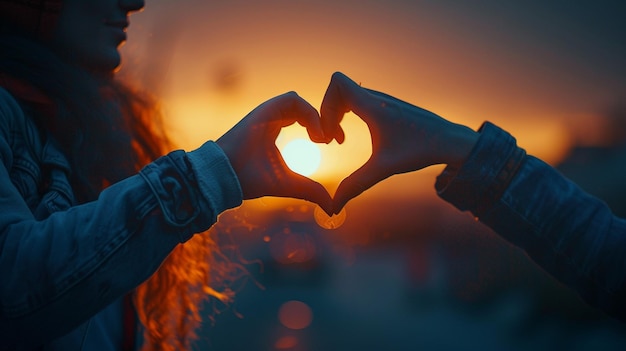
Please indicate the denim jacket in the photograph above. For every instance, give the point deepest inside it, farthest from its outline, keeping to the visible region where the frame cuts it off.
(572, 235)
(58, 258)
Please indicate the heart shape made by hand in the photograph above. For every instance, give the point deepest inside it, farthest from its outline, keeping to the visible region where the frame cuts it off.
(337, 161)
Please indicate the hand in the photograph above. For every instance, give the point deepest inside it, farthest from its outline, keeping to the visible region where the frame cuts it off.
(405, 137)
(251, 148)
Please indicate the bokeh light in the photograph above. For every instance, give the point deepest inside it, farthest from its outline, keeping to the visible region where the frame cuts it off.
(329, 222)
(289, 247)
(543, 71)
(295, 315)
(286, 342)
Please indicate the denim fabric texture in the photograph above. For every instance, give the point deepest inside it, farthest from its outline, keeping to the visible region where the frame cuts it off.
(58, 258)
(569, 233)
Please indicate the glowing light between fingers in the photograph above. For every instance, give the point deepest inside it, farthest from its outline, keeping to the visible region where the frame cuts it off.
(302, 156)
(329, 222)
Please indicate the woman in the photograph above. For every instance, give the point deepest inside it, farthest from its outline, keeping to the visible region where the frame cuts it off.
(86, 217)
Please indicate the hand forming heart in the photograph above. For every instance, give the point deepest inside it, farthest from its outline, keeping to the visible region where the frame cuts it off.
(251, 148)
(405, 138)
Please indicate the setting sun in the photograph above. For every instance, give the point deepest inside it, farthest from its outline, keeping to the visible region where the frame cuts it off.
(302, 156)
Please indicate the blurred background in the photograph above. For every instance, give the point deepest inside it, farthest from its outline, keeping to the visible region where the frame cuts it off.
(402, 269)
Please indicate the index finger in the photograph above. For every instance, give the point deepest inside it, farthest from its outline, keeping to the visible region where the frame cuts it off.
(342, 95)
(293, 108)
(336, 103)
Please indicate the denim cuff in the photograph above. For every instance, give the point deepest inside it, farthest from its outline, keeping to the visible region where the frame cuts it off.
(484, 176)
(216, 178)
(171, 181)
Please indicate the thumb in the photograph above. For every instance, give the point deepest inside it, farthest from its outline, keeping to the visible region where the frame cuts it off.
(356, 183)
(306, 189)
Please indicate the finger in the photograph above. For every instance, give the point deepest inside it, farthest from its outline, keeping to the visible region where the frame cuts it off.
(294, 108)
(297, 186)
(356, 183)
(334, 106)
(340, 136)
(342, 95)
(304, 188)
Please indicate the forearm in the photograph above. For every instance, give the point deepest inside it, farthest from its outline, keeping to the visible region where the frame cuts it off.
(569, 233)
(78, 261)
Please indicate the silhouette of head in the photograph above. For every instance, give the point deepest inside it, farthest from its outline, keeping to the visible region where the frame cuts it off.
(87, 33)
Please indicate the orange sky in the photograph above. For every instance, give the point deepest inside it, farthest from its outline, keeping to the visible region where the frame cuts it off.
(539, 69)
(533, 70)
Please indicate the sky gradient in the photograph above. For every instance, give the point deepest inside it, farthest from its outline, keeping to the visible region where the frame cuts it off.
(549, 72)
(537, 68)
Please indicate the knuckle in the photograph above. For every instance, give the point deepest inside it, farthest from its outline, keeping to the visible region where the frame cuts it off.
(336, 76)
(291, 94)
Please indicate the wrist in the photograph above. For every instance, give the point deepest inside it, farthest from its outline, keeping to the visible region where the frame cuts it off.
(460, 142)
(217, 180)
(486, 173)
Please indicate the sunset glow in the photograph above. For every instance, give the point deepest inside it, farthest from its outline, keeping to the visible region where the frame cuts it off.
(329, 222)
(302, 156)
(406, 270)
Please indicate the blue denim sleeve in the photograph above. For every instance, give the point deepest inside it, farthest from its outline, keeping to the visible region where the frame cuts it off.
(56, 273)
(569, 233)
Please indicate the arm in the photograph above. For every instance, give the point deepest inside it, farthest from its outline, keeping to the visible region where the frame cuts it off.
(572, 235)
(56, 273)
(569, 233)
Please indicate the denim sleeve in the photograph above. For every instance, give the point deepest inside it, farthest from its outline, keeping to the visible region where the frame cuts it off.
(56, 273)
(569, 233)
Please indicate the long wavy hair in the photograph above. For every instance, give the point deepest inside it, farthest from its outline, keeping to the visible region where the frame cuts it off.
(108, 131)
